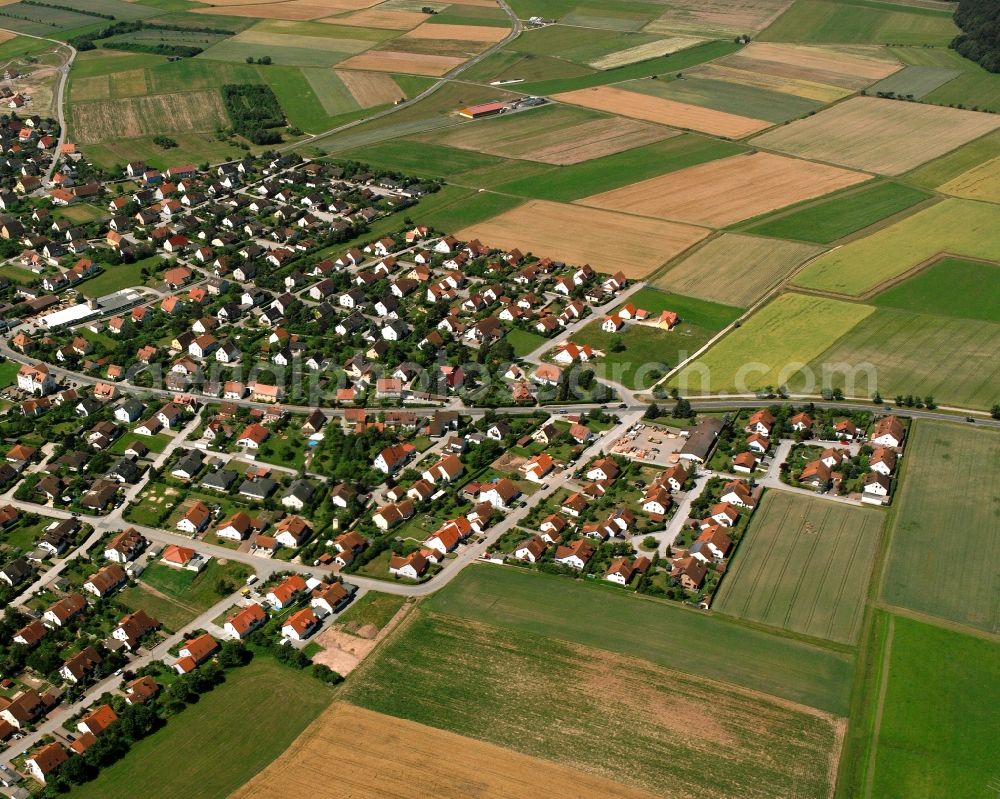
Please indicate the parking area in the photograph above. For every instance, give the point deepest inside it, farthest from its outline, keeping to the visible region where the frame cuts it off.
(647, 443)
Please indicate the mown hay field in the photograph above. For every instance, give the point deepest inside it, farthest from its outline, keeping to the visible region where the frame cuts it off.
(661, 632)
(555, 135)
(407, 63)
(606, 240)
(349, 747)
(826, 221)
(735, 269)
(643, 51)
(808, 89)
(771, 346)
(676, 728)
(979, 183)
(804, 566)
(886, 136)
(846, 67)
(947, 507)
(666, 112)
(953, 360)
(107, 120)
(718, 17)
(720, 193)
(958, 227)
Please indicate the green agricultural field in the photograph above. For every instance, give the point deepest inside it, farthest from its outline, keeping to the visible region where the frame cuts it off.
(735, 269)
(579, 45)
(939, 724)
(914, 81)
(733, 98)
(899, 352)
(299, 98)
(568, 183)
(974, 87)
(422, 159)
(803, 566)
(21, 46)
(826, 221)
(861, 22)
(330, 91)
(424, 672)
(373, 608)
(508, 65)
(771, 346)
(947, 506)
(191, 148)
(649, 352)
(661, 632)
(958, 227)
(952, 287)
(462, 208)
(245, 723)
(684, 59)
(956, 163)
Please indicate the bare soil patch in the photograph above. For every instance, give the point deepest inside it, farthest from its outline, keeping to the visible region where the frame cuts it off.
(666, 112)
(607, 241)
(729, 190)
(410, 63)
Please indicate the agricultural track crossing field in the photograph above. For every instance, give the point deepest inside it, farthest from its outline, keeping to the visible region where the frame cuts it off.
(735, 269)
(886, 136)
(770, 346)
(803, 566)
(957, 227)
(571, 233)
(760, 740)
(729, 190)
(952, 474)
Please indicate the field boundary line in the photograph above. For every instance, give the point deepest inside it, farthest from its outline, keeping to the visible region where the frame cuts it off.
(937, 621)
(877, 724)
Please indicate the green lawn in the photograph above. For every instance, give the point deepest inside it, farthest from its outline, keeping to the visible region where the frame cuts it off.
(195, 590)
(550, 698)
(958, 227)
(568, 183)
(827, 221)
(155, 443)
(952, 287)
(861, 22)
(939, 724)
(422, 159)
(523, 341)
(211, 748)
(949, 484)
(173, 614)
(115, 278)
(974, 87)
(660, 632)
(8, 373)
(373, 608)
(803, 566)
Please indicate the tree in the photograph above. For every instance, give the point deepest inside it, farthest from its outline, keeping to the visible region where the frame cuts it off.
(929, 403)
(995, 411)
(877, 398)
(649, 542)
(682, 409)
(249, 59)
(652, 411)
(617, 345)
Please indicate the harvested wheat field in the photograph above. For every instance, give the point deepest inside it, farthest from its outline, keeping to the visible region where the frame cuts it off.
(718, 17)
(845, 66)
(726, 191)
(380, 18)
(810, 90)
(291, 10)
(106, 120)
(607, 241)
(349, 747)
(407, 63)
(557, 135)
(886, 136)
(735, 269)
(979, 183)
(370, 89)
(459, 33)
(666, 112)
(644, 51)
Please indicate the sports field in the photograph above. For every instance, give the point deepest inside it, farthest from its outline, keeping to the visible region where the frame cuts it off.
(884, 136)
(729, 190)
(229, 725)
(350, 746)
(528, 685)
(803, 566)
(735, 269)
(958, 227)
(825, 222)
(771, 346)
(845, 67)
(827, 22)
(939, 725)
(554, 135)
(951, 287)
(607, 241)
(663, 633)
(944, 532)
(663, 111)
